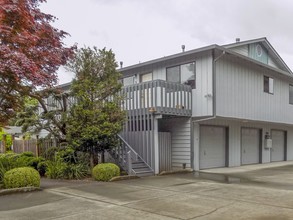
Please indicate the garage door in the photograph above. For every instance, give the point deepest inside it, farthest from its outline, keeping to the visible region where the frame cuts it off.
(278, 149)
(212, 147)
(250, 145)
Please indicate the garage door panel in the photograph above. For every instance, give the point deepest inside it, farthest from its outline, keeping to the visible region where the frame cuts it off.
(278, 149)
(212, 147)
(249, 146)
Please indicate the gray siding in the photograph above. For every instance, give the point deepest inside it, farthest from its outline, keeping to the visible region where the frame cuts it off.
(165, 151)
(202, 100)
(243, 50)
(240, 93)
(272, 63)
(235, 138)
(180, 140)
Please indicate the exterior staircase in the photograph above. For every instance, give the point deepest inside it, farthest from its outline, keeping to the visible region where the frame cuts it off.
(130, 161)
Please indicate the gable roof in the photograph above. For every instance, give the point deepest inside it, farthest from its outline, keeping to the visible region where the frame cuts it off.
(271, 51)
(281, 65)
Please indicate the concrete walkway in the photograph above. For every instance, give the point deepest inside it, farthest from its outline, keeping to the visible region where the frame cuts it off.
(181, 196)
(246, 168)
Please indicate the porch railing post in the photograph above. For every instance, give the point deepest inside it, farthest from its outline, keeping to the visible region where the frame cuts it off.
(129, 164)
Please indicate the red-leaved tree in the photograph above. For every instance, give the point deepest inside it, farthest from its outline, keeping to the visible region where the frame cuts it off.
(31, 51)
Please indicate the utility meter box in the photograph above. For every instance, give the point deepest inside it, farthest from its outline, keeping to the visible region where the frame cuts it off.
(268, 143)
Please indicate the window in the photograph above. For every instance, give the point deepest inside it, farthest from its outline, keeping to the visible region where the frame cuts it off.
(128, 81)
(173, 74)
(184, 74)
(291, 94)
(268, 85)
(146, 77)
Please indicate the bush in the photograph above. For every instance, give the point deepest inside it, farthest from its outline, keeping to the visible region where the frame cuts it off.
(49, 153)
(12, 160)
(105, 171)
(42, 168)
(21, 177)
(58, 169)
(75, 171)
(55, 169)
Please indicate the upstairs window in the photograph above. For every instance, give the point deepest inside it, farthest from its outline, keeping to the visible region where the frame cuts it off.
(291, 94)
(184, 74)
(146, 77)
(127, 81)
(268, 85)
(173, 74)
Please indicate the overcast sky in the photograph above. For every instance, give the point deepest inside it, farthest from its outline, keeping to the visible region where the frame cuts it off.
(142, 30)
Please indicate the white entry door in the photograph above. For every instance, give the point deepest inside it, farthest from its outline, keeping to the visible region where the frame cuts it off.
(278, 149)
(250, 145)
(212, 152)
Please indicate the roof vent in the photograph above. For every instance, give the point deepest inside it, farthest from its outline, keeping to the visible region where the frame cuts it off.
(237, 40)
(183, 47)
(121, 64)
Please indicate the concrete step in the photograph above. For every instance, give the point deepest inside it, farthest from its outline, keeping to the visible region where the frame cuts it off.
(144, 173)
(139, 165)
(142, 169)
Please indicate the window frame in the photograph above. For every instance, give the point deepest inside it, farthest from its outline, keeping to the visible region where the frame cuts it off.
(268, 84)
(180, 77)
(291, 102)
(133, 80)
(141, 75)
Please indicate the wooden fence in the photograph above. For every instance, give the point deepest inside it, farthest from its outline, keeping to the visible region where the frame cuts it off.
(38, 147)
(20, 146)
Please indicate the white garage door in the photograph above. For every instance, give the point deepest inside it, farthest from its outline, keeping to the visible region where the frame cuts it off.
(249, 146)
(278, 149)
(212, 147)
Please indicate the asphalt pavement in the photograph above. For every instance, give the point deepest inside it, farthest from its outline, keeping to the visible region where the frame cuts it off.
(263, 192)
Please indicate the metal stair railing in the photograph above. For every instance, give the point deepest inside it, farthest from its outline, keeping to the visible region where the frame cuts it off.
(126, 155)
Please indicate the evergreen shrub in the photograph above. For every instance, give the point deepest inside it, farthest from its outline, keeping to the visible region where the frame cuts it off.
(105, 171)
(21, 177)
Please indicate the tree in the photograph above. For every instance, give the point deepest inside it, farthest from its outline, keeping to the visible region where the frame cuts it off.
(96, 117)
(47, 112)
(31, 51)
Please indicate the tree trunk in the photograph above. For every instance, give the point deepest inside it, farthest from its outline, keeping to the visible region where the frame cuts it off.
(92, 163)
(103, 157)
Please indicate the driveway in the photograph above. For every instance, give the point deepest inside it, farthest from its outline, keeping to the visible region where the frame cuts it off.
(251, 194)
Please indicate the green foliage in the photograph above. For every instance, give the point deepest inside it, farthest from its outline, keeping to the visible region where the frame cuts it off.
(12, 160)
(55, 169)
(96, 117)
(8, 138)
(52, 118)
(75, 171)
(67, 164)
(21, 177)
(49, 153)
(58, 169)
(3, 170)
(42, 167)
(105, 171)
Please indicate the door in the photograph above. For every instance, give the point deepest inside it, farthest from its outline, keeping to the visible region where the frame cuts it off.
(212, 151)
(146, 93)
(278, 149)
(250, 146)
(165, 155)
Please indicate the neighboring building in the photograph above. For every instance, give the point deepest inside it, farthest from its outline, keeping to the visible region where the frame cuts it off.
(216, 106)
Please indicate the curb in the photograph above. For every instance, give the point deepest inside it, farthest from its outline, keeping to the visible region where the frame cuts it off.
(18, 190)
(118, 178)
(175, 172)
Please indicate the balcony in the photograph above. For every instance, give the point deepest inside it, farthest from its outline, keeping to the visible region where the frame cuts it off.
(158, 97)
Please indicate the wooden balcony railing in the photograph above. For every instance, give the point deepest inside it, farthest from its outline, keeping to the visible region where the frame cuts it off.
(158, 97)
